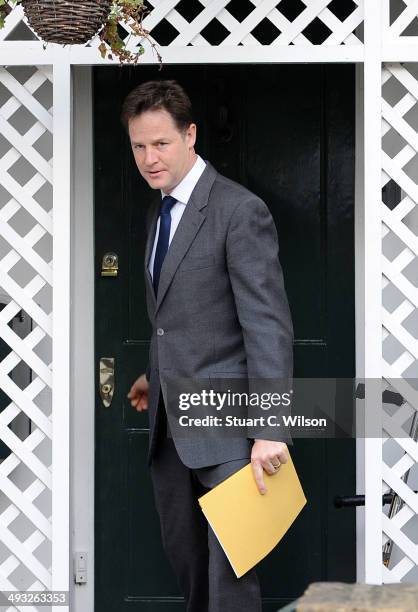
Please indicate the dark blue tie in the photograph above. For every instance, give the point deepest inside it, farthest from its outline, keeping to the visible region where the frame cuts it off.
(163, 239)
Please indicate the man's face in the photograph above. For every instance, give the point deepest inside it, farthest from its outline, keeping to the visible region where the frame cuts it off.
(163, 154)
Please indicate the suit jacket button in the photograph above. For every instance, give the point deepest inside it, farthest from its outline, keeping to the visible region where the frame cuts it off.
(160, 332)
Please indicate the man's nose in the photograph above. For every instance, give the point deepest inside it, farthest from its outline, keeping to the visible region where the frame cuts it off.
(150, 157)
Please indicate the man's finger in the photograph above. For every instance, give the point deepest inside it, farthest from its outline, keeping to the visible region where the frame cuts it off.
(259, 477)
(143, 403)
(282, 455)
(138, 405)
(270, 467)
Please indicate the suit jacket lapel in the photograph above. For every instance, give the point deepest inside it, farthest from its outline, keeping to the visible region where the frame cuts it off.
(188, 227)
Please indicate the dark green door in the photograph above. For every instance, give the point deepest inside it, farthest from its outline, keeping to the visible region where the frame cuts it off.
(287, 133)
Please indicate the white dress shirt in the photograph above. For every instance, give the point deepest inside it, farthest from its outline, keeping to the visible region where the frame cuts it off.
(181, 193)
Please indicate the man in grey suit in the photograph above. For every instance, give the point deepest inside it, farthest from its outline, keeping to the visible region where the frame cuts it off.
(218, 309)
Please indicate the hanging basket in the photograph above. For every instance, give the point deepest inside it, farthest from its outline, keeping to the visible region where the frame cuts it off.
(66, 22)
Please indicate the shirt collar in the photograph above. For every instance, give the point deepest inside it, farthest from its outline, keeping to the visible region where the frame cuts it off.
(183, 190)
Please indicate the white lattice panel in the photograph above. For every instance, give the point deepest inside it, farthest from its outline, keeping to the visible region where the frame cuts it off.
(25, 283)
(254, 22)
(400, 308)
(16, 27)
(179, 23)
(403, 20)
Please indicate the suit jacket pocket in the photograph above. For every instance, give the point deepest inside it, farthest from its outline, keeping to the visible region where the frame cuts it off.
(197, 263)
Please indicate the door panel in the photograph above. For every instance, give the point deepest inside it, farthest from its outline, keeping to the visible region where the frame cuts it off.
(287, 133)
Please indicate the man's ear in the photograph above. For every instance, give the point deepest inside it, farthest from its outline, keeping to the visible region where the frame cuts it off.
(191, 135)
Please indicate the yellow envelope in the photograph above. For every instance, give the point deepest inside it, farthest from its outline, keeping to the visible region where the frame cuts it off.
(247, 524)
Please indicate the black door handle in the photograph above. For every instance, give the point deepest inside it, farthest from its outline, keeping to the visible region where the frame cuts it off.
(352, 501)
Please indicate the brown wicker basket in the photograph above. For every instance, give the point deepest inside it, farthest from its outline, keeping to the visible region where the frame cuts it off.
(67, 22)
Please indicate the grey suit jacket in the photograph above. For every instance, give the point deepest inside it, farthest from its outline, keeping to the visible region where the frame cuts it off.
(221, 309)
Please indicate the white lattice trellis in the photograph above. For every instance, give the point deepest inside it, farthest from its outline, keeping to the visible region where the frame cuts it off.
(242, 22)
(34, 424)
(26, 277)
(402, 21)
(237, 22)
(400, 298)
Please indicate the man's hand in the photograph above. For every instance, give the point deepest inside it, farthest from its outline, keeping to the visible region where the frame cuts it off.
(139, 394)
(267, 455)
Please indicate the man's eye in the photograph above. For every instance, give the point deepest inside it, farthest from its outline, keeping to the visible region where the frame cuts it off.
(162, 144)
(139, 147)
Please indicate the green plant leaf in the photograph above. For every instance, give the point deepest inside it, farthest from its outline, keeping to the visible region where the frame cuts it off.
(133, 3)
(102, 49)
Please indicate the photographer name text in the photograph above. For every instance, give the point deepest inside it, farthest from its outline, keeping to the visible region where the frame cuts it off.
(262, 421)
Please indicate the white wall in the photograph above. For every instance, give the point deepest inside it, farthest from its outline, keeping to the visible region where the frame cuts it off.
(82, 355)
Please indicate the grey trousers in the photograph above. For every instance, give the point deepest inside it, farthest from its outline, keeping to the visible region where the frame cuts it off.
(204, 574)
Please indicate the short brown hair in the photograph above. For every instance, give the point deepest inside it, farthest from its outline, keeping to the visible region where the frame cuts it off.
(157, 95)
